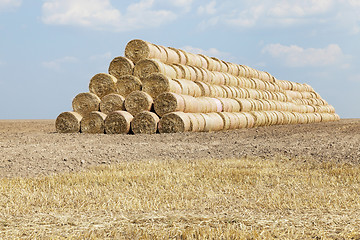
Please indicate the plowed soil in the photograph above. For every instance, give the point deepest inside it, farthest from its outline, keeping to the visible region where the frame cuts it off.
(33, 148)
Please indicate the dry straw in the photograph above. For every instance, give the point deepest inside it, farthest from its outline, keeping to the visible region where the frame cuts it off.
(84, 103)
(112, 102)
(138, 101)
(121, 66)
(175, 122)
(145, 123)
(102, 84)
(93, 123)
(147, 66)
(156, 83)
(169, 102)
(137, 50)
(118, 122)
(68, 122)
(127, 84)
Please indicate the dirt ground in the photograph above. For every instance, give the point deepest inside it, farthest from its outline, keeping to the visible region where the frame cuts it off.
(33, 148)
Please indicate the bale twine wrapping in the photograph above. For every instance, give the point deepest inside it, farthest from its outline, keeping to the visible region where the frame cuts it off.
(93, 123)
(137, 50)
(168, 102)
(138, 101)
(68, 122)
(84, 103)
(175, 122)
(145, 123)
(103, 84)
(121, 66)
(118, 122)
(156, 83)
(148, 66)
(112, 102)
(128, 84)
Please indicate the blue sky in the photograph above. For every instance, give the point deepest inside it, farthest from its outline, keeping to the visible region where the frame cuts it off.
(50, 49)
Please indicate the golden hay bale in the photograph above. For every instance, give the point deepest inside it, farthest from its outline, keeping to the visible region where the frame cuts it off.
(260, 118)
(168, 102)
(84, 103)
(118, 122)
(178, 70)
(137, 50)
(103, 84)
(138, 101)
(194, 123)
(175, 122)
(242, 119)
(205, 89)
(233, 69)
(229, 105)
(121, 66)
(199, 74)
(145, 123)
(148, 66)
(128, 84)
(68, 122)
(112, 102)
(213, 122)
(216, 65)
(181, 56)
(189, 87)
(157, 83)
(191, 104)
(93, 123)
(229, 120)
(193, 59)
(245, 104)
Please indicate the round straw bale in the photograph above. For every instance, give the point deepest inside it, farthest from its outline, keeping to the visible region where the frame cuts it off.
(194, 123)
(205, 60)
(168, 102)
(201, 121)
(242, 120)
(128, 84)
(137, 50)
(217, 64)
(178, 70)
(147, 66)
(163, 53)
(233, 69)
(226, 119)
(121, 66)
(84, 103)
(103, 84)
(145, 123)
(68, 122)
(245, 104)
(191, 104)
(182, 57)
(112, 102)
(118, 122)
(205, 89)
(219, 78)
(138, 101)
(189, 87)
(93, 122)
(157, 83)
(198, 73)
(217, 123)
(250, 119)
(216, 105)
(193, 59)
(175, 122)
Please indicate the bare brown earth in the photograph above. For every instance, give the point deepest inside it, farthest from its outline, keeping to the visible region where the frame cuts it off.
(33, 148)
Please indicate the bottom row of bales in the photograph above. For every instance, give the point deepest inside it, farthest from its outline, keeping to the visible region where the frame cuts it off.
(146, 122)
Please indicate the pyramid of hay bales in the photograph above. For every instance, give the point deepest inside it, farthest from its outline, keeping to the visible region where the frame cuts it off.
(162, 89)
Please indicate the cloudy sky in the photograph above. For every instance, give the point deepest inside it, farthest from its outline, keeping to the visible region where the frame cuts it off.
(51, 48)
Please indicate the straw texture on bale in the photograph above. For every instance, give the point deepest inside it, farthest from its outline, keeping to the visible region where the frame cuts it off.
(121, 66)
(84, 103)
(147, 66)
(112, 102)
(68, 122)
(103, 84)
(145, 123)
(137, 50)
(138, 101)
(175, 122)
(93, 123)
(156, 83)
(127, 84)
(118, 122)
(169, 102)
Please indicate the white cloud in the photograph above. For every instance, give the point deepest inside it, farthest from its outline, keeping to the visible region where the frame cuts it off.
(248, 17)
(296, 56)
(6, 4)
(208, 8)
(101, 15)
(211, 52)
(184, 4)
(57, 64)
(294, 8)
(105, 56)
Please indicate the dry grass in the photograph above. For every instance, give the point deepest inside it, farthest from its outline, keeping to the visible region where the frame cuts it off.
(248, 198)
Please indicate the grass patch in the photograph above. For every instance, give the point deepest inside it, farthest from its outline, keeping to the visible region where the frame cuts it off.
(248, 198)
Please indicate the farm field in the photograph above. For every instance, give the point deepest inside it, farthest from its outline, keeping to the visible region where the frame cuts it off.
(285, 182)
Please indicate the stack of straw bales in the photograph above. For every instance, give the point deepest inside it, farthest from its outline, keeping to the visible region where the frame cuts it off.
(161, 89)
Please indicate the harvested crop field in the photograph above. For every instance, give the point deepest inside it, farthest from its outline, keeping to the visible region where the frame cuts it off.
(284, 182)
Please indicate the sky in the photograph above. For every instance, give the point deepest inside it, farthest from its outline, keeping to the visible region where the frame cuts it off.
(50, 49)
